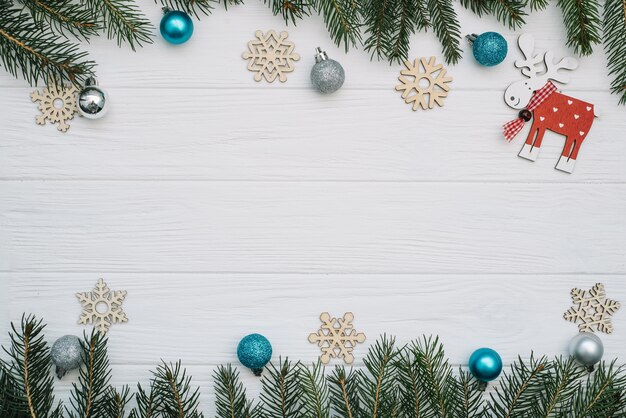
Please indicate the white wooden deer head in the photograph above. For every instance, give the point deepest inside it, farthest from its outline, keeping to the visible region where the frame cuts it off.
(539, 69)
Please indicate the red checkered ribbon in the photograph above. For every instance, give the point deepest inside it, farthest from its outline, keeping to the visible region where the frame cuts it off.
(513, 127)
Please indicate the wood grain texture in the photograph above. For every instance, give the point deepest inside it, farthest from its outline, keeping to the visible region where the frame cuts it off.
(226, 207)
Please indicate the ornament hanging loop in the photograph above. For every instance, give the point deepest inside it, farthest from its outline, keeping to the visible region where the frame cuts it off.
(482, 385)
(471, 38)
(166, 10)
(320, 55)
(91, 81)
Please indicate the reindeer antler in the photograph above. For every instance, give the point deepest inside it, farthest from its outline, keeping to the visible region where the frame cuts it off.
(526, 43)
(567, 63)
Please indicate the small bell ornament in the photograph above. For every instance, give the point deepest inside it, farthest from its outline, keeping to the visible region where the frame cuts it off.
(327, 75)
(92, 100)
(489, 48)
(176, 26)
(587, 349)
(66, 354)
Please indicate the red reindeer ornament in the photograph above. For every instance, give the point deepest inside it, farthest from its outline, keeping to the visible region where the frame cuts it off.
(539, 100)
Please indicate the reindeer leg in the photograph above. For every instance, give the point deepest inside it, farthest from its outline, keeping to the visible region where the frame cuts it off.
(530, 150)
(567, 161)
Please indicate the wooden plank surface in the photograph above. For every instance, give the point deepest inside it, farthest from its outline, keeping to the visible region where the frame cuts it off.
(226, 206)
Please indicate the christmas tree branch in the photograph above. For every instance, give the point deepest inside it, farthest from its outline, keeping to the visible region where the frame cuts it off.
(36, 53)
(231, 400)
(470, 398)
(582, 22)
(409, 17)
(280, 392)
(63, 15)
(603, 393)
(561, 382)
(378, 385)
(379, 23)
(314, 391)
(342, 21)
(122, 20)
(509, 12)
(446, 26)
(173, 394)
(344, 389)
(614, 26)
(193, 7)
(290, 10)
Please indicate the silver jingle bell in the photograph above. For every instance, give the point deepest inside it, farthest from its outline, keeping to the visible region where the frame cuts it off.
(92, 100)
(327, 75)
(587, 349)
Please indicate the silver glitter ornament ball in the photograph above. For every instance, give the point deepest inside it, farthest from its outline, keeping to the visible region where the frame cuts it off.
(327, 75)
(587, 349)
(66, 354)
(92, 100)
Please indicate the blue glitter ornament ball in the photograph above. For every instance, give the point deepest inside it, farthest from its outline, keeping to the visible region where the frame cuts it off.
(176, 26)
(485, 364)
(490, 48)
(254, 351)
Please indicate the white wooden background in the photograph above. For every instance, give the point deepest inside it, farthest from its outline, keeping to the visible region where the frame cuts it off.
(226, 206)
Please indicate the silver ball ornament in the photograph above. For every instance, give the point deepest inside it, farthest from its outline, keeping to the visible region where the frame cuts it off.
(327, 75)
(587, 349)
(92, 100)
(66, 354)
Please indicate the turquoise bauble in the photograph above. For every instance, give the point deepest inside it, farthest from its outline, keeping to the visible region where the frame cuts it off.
(485, 364)
(490, 48)
(254, 351)
(176, 27)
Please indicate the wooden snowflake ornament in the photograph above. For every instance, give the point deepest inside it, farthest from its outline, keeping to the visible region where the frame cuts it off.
(424, 88)
(102, 307)
(337, 337)
(591, 309)
(271, 56)
(58, 105)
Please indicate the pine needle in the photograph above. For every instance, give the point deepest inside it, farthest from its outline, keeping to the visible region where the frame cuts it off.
(582, 22)
(614, 25)
(231, 400)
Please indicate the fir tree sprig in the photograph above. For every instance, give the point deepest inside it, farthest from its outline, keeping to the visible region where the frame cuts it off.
(470, 402)
(519, 388)
(509, 12)
(35, 52)
(280, 390)
(231, 400)
(29, 373)
(314, 391)
(582, 21)
(195, 7)
(410, 392)
(90, 397)
(175, 398)
(409, 17)
(290, 10)
(344, 389)
(146, 403)
(614, 26)
(561, 383)
(603, 394)
(342, 20)
(116, 402)
(446, 26)
(63, 15)
(379, 24)
(123, 21)
(377, 387)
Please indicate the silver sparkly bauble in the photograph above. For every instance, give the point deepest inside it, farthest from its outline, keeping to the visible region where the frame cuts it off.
(66, 354)
(587, 349)
(327, 75)
(92, 100)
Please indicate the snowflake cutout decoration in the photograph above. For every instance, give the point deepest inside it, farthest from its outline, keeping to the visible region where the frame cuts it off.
(57, 104)
(591, 309)
(271, 56)
(336, 337)
(423, 89)
(102, 307)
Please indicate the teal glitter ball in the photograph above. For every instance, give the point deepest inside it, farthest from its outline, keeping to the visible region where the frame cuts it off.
(254, 351)
(485, 364)
(490, 48)
(176, 27)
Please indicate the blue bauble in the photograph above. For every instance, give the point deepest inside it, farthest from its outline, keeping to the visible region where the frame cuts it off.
(176, 27)
(490, 48)
(485, 364)
(254, 351)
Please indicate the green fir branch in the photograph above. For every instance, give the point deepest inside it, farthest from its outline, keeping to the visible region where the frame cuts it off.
(173, 394)
(231, 400)
(603, 394)
(509, 12)
(35, 52)
(63, 15)
(90, 397)
(146, 403)
(582, 21)
(280, 391)
(446, 26)
(378, 387)
(519, 389)
(314, 391)
(536, 5)
(614, 26)
(408, 18)
(344, 389)
(123, 21)
(561, 382)
(342, 20)
(379, 23)
(410, 393)
(290, 10)
(192, 7)
(116, 402)
(470, 397)
(479, 7)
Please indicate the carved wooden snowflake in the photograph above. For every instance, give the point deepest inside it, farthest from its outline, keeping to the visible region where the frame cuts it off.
(271, 56)
(426, 88)
(58, 105)
(102, 307)
(336, 337)
(592, 309)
